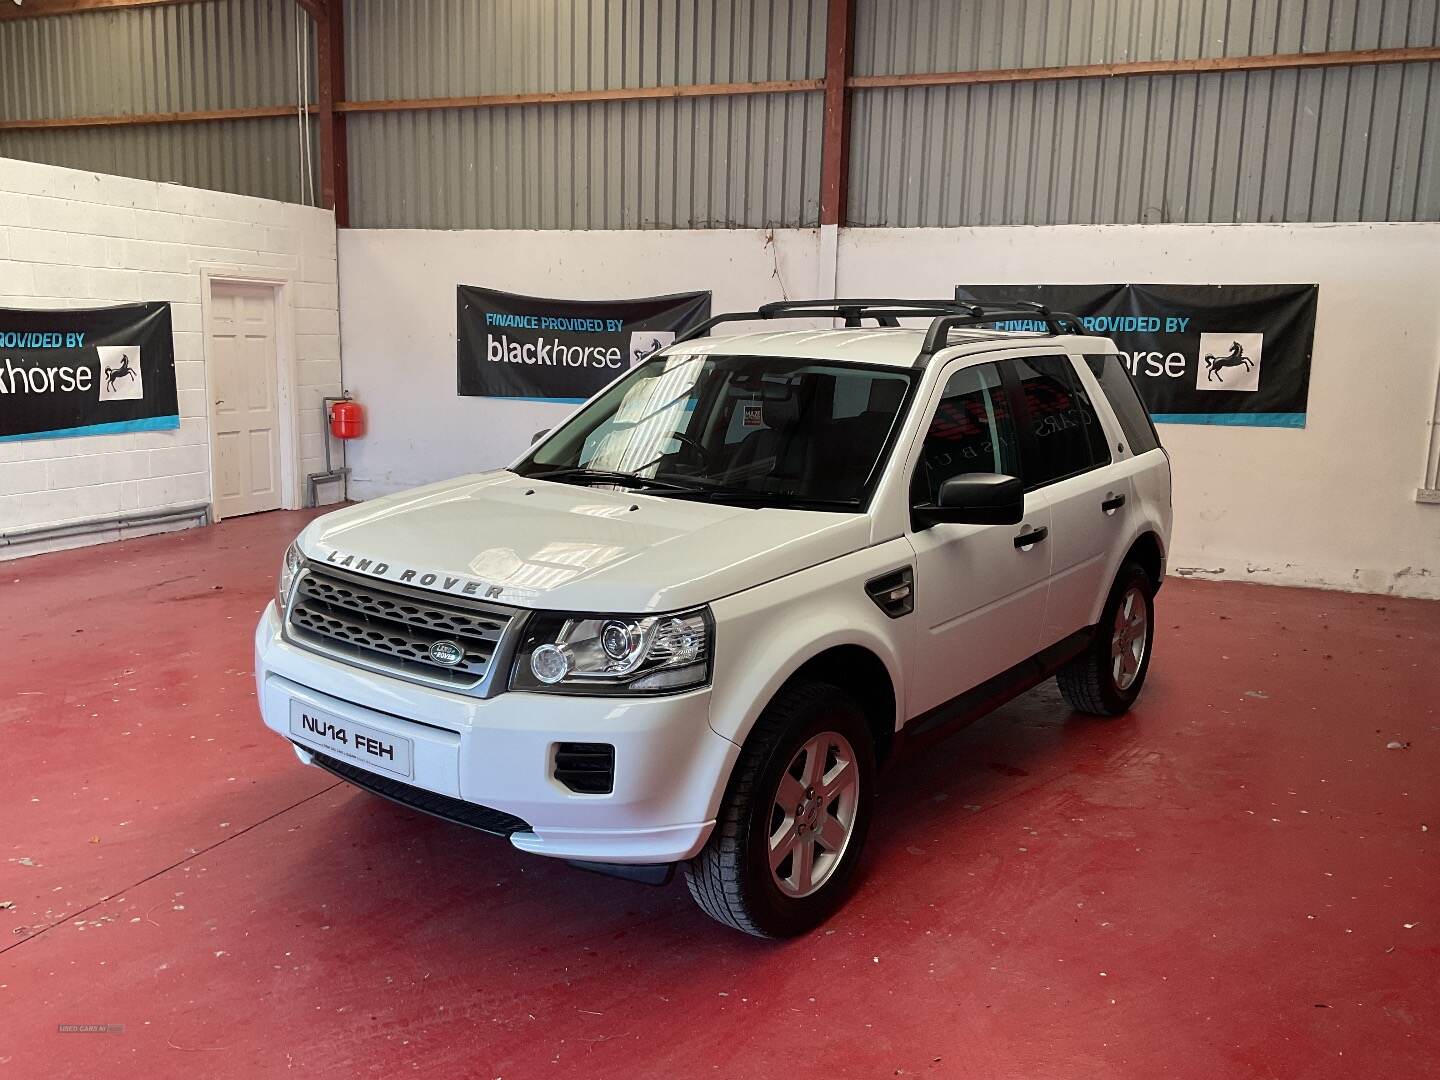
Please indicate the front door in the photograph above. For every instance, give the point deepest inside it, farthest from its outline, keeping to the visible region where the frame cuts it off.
(244, 378)
(979, 595)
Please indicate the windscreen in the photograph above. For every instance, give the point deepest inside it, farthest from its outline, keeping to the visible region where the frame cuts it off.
(777, 430)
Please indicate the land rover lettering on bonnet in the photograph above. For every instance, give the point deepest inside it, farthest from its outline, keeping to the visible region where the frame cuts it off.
(425, 579)
(690, 624)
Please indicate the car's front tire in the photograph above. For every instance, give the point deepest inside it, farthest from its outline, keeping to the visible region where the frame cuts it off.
(784, 850)
(1107, 677)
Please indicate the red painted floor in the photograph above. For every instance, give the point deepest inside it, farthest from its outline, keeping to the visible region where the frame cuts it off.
(1236, 880)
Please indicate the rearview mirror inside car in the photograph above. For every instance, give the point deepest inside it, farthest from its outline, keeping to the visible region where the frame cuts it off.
(975, 499)
(539, 435)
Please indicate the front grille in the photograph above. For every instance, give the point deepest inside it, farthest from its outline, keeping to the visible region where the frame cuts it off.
(496, 822)
(393, 628)
(586, 768)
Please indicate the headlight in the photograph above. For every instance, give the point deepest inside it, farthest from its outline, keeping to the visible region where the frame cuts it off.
(615, 654)
(289, 568)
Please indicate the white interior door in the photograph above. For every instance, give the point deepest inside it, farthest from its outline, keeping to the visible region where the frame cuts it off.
(244, 379)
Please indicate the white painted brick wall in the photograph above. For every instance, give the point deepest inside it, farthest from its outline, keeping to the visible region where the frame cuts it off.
(79, 239)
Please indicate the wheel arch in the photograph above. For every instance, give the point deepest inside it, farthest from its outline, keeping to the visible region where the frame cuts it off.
(862, 674)
(849, 659)
(819, 623)
(1149, 552)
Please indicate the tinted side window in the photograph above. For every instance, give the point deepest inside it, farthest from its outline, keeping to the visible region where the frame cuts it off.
(972, 431)
(1068, 436)
(1134, 420)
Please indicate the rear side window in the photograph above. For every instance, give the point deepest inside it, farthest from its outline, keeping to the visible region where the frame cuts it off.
(1120, 389)
(972, 431)
(1068, 437)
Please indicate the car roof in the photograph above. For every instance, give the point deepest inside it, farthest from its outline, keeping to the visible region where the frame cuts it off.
(886, 346)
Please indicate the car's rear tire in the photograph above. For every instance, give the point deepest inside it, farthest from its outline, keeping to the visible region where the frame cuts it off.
(1107, 677)
(784, 850)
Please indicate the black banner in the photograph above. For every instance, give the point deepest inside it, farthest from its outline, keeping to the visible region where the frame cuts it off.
(1200, 354)
(561, 350)
(86, 371)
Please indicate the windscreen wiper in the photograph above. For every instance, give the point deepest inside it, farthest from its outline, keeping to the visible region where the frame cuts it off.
(698, 489)
(702, 489)
(608, 476)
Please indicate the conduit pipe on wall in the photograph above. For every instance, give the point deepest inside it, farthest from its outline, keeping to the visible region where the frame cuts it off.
(45, 533)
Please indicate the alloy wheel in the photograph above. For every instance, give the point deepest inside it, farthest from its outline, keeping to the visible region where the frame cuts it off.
(1127, 644)
(812, 815)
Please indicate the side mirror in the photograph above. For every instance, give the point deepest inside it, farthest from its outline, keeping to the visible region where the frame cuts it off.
(539, 435)
(976, 499)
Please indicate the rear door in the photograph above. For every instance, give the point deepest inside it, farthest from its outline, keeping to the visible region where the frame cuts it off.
(979, 594)
(1139, 463)
(1066, 456)
(1140, 454)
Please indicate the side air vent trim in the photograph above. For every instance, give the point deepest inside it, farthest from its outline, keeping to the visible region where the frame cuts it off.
(893, 593)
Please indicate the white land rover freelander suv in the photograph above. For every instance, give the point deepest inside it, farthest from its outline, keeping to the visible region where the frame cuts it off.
(690, 624)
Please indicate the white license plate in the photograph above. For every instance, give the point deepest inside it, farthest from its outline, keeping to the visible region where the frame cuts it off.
(360, 744)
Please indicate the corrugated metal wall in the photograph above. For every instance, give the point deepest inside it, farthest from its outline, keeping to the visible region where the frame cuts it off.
(248, 157)
(693, 164)
(1311, 145)
(171, 58)
(698, 163)
(1344, 144)
(902, 36)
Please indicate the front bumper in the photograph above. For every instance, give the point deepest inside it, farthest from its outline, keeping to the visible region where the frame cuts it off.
(670, 765)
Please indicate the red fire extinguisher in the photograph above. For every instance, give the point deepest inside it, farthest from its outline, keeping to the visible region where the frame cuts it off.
(347, 419)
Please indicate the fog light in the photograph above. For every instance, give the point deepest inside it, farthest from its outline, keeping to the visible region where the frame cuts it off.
(550, 664)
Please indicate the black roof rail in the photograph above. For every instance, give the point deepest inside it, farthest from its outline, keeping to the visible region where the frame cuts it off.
(887, 312)
(861, 309)
(945, 315)
(938, 336)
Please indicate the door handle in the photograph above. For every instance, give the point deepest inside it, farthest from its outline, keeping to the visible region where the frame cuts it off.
(1113, 503)
(1034, 536)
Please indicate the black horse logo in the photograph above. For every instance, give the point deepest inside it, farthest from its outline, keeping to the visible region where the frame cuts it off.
(1234, 358)
(123, 371)
(643, 352)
